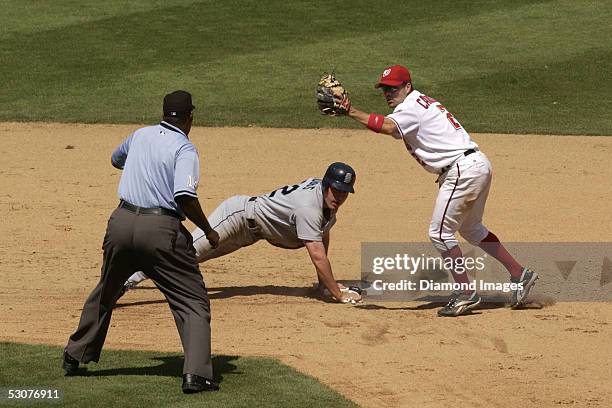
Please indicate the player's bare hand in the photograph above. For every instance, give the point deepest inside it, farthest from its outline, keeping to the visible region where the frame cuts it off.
(324, 292)
(343, 104)
(213, 238)
(350, 295)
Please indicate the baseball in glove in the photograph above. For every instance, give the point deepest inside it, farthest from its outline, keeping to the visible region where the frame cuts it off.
(332, 98)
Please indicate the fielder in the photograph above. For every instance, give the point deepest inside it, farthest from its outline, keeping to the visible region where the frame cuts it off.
(290, 217)
(438, 142)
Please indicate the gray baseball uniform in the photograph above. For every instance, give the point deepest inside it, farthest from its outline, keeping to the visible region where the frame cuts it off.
(285, 218)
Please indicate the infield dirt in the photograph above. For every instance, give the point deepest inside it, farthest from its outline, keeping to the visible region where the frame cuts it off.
(58, 189)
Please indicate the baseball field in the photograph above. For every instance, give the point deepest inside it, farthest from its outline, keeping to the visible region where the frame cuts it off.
(529, 80)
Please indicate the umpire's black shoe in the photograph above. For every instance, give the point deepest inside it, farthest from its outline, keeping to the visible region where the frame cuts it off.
(194, 383)
(70, 365)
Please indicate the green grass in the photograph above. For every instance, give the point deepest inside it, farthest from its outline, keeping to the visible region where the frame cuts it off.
(152, 379)
(500, 66)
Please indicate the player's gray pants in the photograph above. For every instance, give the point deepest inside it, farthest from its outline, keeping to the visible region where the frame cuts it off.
(230, 222)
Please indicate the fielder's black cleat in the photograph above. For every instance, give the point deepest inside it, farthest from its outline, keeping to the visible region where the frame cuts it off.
(70, 365)
(194, 383)
(460, 304)
(527, 280)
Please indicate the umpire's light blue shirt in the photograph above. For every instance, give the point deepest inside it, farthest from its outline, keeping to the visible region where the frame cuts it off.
(159, 163)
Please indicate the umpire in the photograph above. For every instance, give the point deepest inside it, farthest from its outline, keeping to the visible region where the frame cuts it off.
(157, 191)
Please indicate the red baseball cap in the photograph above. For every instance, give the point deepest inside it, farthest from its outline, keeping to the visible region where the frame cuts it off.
(394, 76)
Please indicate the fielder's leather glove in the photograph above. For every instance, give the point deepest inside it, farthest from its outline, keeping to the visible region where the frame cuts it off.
(332, 98)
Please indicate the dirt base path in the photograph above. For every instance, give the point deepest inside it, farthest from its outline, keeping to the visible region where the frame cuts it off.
(58, 189)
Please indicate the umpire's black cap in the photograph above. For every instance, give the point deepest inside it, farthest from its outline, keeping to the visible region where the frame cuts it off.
(340, 176)
(178, 104)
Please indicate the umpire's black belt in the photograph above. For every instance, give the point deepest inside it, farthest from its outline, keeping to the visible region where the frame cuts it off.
(142, 210)
(466, 153)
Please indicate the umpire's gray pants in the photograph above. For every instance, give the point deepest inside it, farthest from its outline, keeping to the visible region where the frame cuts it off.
(162, 247)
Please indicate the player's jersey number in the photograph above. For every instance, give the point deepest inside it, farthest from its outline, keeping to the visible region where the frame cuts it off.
(290, 189)
(284, 190)
(426, 101)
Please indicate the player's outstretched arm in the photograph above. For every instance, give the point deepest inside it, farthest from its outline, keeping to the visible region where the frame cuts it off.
(334, 100)
(318, 256)
(321, 286)
(377, 123)
(326, 245)
(326, 242)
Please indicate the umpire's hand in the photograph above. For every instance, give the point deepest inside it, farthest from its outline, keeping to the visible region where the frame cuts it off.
(192, 209)
(213, 238)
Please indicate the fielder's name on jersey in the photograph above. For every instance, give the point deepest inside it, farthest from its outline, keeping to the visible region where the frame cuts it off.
(432, 135)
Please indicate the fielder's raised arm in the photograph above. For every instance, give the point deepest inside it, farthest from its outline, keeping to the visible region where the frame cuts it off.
(396, 84)
(440, 144)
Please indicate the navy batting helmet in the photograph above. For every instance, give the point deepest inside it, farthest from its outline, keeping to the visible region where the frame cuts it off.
(340, 176)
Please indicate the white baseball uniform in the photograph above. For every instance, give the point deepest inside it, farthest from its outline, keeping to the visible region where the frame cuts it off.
(286, 218)
(440, 144)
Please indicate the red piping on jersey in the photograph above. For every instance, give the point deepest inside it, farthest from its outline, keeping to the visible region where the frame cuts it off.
(446, 208)
(397, 126)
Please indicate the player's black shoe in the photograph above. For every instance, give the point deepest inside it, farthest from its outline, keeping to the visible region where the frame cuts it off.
(460, 304)
(528, 279)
